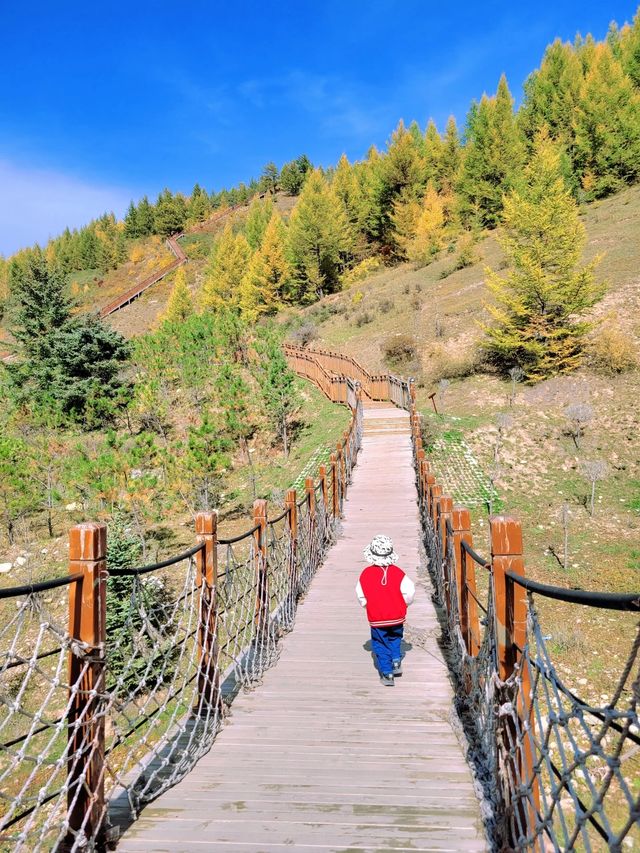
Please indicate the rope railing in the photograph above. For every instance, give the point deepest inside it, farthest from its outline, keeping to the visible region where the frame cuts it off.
(557, 772)
(114, 682)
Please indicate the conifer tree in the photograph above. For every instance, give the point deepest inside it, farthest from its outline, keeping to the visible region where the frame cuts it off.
(630, 50)
(145, 217)
(402, 173)
(277, 383)
(607, 127)
(551, 94)
(451, 156)
(404, 220)
(270, 177)
(199, 206)
(493, 158)
(433, 155)
(268, 276)
(293, 174)
(170, 213)
(131, 221)
(229, 258)
(320, 240)
(180, 304)
(369, 175)
(258, 218)
(538, 304)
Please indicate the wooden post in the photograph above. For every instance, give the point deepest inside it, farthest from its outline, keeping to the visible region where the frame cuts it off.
(322, 471)
(335, 498)
(430, 484)
(511, 631)
(435, 491)
(445, 509)
(207, 565)
(466, 577)
(260, 558)
(345, 457)
(311, 498)
(341, 474)
(291, 506)
(86, 723)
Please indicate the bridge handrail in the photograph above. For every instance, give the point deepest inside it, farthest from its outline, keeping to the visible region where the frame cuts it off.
(552, 778)
(138, 704)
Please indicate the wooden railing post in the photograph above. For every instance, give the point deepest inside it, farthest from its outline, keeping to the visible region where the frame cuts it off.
(335, 497)
(466, 577)
(435, 490)
(445, 510)
(260, 557)
(322, 471)
(311, 498)
(207, 565)
(511, 632)
(291, 506)
(86, 723)
(342, 479)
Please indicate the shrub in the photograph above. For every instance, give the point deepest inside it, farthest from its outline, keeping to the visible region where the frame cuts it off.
(611, 352)
(444, 364)
(386, 305)
(303, 336)
(400, 349)
(136, 254)
(361, 271)
(357, 297)
(363, 318)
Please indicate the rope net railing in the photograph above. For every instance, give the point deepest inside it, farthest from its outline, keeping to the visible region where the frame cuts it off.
(115, 681)
(557, 772)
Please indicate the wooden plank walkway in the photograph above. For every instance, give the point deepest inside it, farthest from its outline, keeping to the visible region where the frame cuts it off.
(321, 756)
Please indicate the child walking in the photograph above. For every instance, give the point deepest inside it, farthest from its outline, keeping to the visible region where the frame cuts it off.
(385, 590)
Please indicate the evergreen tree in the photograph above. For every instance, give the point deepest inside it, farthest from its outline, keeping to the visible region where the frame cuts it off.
(229, 260)
(369, 175)
(348, 188)
(277, 384)
(630, 50)
(402, 173)
(451, 156)
(293, 174)
(268, 276)
(607, 127)
(170, 213)
(180, 304)
(132, 229)
(433, 155)
(270, 178)
(68, 362)
(494, 155)
(258, 218)
(204, 460)
(145, 217)
(545, 290)
(551, 94)
(320, 240)
(199, 206)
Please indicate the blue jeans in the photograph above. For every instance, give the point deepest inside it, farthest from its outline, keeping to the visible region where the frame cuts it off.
(386, 644)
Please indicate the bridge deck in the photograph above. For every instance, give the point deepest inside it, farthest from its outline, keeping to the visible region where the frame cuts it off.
(321, 756)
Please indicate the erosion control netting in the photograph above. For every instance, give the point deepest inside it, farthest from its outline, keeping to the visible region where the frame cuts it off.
(557, 772)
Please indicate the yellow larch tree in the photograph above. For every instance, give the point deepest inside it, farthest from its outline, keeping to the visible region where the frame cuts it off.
(180, 304)
(229, 260)
(265, 283)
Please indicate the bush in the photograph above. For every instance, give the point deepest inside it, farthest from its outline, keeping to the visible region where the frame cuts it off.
(303, 336)
(611, 352)
(400, 350)
(444, 364)
(386, 305)
(136, 254)
(361, 271)
(357, 297)
(363, 318)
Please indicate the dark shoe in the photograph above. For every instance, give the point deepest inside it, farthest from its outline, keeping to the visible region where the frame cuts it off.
(387, 679)
(397, 667)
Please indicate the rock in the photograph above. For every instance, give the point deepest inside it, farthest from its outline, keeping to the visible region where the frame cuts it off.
(72, 507)
(21, 561)
(5, 567)
(582, 681)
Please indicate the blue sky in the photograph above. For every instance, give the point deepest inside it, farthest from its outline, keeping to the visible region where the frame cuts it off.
(104, 102)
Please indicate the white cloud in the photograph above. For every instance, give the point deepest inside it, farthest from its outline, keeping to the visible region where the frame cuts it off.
(36, 204)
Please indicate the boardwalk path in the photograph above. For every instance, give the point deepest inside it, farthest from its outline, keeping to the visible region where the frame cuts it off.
(321, 756)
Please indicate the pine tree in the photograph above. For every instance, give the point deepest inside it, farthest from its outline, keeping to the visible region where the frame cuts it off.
(267, 279)
(493, 159)
(630, 50)
(277, 383)
(228, 264)
(145, 217)
(402, 173)
(404, 220)
(258, 218)
(551, 94)
(607, 127)
(545, 290)
(170, 213)
(451, 156)
(320, 240)
(199, 206)
(131, 221)
(270, 177)
(180, 304)
(293, 174)
(433, 155)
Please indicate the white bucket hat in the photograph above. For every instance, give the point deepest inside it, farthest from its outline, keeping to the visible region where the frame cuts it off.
(379, 552)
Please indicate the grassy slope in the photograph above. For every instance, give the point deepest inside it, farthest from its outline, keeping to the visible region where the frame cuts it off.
(539, 466)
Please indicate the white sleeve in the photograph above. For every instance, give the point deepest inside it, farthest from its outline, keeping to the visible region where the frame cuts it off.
(408, 590)
(360, 594)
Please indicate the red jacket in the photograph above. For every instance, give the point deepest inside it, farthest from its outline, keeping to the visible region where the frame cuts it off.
(386, 592)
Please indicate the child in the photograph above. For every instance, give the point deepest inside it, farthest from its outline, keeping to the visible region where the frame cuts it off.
(385, 590)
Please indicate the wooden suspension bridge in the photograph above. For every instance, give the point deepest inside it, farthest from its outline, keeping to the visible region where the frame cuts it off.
(171, 754)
